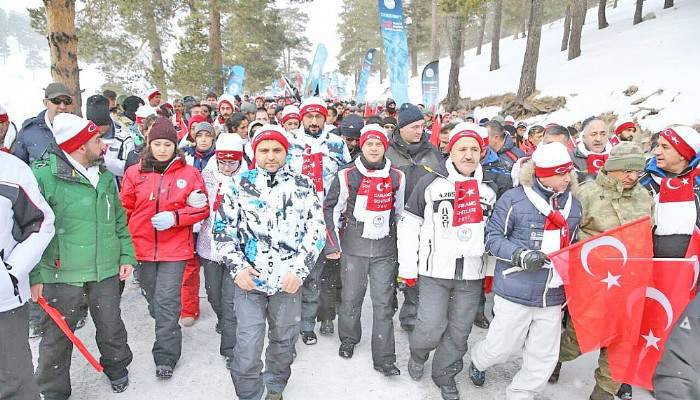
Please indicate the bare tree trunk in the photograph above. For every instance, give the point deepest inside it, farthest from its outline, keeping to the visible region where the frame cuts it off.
(63, 46)
(668, 4)
(453, 96)
(602, 21)
(638, 12)
(215, 47)
(153, 38)
(585, 13)
(567, 28)
(413, 51)
(434, 34)
(482, 30)
(579, 9)
(525, 18)
(528, 75)
(496, 36)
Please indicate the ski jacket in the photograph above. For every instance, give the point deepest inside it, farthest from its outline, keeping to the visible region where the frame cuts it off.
(333, 152)
(412, 159)
(92, 239)
(146, 193)
(34, 140)
(198, 160)
(677, 375)
(517, 224)
(270, 222)
(430, 244)
(345, 232)
(216, 183)
(670, 246)
(118, 149)
(509, 153)
(27, 228)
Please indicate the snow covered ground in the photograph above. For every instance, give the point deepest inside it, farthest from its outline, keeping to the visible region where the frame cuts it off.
(656, 54)
(317, 373)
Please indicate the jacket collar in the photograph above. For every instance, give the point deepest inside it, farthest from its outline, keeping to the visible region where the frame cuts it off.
(63, 169)
(490, 157)
(653, 169)
(611, 184)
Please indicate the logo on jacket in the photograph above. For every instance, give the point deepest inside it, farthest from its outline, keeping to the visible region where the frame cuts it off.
(464, 234)
(445, 213)
(378, 220)
(181, 183)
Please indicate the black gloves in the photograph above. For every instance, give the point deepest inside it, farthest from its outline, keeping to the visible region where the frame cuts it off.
(530, 260)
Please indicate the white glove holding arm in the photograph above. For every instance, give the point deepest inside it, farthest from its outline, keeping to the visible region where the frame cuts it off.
(163, 220)
(197, 199)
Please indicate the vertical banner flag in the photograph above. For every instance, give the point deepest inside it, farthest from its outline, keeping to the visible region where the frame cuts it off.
(364, 76)
(323, 85)
(430, 86)
(315, 70)
(395, 47)
(234, 85)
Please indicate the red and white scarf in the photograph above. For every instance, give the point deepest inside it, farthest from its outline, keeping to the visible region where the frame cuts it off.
(556, 233)
(312, 167)
(374, 201)
(594, 161)
(675, 210)
(467, 214)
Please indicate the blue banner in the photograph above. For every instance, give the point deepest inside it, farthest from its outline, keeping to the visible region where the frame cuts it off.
(234, 85)
(395, 48)
(364, 76)
(430, 84)
(323, 85)
(315, 70)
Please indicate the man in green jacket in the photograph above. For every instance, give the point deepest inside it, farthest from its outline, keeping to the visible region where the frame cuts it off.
(613, 199)
(91, 252)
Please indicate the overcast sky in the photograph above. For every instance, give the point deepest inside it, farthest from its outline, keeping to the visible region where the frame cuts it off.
(321, 27)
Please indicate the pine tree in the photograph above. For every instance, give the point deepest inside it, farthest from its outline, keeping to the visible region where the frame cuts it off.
(191, 66)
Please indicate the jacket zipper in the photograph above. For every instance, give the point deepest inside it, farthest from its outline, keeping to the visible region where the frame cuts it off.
(160, 182)
(108, 205)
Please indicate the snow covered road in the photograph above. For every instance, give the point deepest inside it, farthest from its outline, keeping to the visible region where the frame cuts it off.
(317, 373)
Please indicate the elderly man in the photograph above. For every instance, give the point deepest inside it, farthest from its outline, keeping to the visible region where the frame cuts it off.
(591, 152)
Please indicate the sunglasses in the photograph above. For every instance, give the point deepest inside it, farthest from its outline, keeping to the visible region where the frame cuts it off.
(58, 100)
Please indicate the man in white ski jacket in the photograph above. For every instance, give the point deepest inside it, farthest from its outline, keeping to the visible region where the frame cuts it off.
(269, 232)
(441, 242)
(27, 228)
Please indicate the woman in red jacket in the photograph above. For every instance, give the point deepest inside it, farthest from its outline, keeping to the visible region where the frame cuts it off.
(163, 198)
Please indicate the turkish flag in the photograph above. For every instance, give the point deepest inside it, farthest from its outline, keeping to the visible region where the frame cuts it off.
(595, 162)
(435, 131)
(467, 203)
(674, 190)
(694, 251)
(312, 166)
(664, 301)
(379, 192)
(598, 277)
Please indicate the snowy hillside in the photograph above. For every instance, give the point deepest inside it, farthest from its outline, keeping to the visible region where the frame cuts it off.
(656, 54)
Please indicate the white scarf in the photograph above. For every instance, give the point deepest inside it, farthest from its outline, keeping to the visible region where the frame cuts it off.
(551, 238)
(376, 223)
(471, 234)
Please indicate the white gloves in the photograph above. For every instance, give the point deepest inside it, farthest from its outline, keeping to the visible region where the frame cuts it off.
(163, 220)
(197, 199)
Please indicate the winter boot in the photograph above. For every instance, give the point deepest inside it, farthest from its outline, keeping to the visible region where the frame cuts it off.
(327, 327)
(164, 371)
(625, 392)
(554, 378)
(477, 377)
(309, 338)
(388, 369)
(346, 350)
(273, 396)
(449, 392)
(481, 321)
(600, 394)
(415, 369)
(120, 385)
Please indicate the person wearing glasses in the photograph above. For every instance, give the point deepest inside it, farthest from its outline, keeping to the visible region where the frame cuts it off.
(36, 136)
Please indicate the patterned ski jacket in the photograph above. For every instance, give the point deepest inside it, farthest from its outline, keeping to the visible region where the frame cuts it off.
(270, 222)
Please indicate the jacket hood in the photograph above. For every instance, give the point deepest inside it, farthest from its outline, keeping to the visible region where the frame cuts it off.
(490, 157)
(39, 121)
(508, 144)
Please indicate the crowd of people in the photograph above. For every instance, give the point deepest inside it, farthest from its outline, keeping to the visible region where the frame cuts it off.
(291, 208)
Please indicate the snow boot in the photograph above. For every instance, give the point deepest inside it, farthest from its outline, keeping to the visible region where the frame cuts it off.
(477, 377)
(600, 394)
(327, 327)
(388, 369)
(164, 371)
(347, 350)
(449, 392)
(415, 369)
(625, 392)
(554, 378)
(273, 396)
(309, 338)
(481, 321)
(120, 385)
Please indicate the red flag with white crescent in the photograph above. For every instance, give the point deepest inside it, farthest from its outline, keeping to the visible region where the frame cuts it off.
(435, 131)
(664, 300)
(595, 162)
(599, 276)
